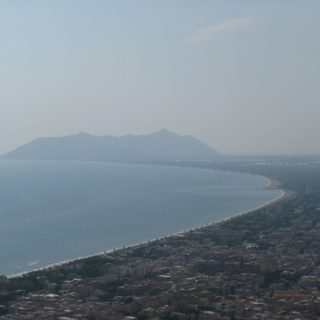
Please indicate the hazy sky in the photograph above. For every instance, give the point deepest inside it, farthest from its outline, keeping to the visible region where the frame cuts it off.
(243, 76)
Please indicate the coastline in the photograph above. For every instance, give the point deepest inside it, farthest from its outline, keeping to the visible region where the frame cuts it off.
(271, 184)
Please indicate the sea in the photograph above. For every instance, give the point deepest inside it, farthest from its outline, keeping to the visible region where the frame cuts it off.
(53, 211)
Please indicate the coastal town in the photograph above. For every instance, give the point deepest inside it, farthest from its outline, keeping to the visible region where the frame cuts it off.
(261, 265)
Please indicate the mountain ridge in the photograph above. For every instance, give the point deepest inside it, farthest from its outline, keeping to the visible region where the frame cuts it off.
(159, 145)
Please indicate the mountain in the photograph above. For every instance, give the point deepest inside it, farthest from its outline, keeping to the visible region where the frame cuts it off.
(161, 145)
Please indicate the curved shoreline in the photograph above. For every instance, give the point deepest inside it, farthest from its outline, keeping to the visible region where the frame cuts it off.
(272, 184)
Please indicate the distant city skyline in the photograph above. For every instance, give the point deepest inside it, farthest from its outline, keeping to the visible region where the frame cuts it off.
(241, 76)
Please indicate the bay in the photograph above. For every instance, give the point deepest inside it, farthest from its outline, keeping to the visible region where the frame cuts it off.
(52, 211)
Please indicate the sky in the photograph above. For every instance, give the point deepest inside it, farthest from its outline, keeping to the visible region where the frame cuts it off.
(242, 76)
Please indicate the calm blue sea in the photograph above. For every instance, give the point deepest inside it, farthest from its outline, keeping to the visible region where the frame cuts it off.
(55, 211)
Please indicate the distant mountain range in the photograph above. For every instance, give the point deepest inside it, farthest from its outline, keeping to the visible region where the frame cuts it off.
(161, 145)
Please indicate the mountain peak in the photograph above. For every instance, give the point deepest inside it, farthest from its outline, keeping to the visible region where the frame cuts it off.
(164, 132)
(84, 134)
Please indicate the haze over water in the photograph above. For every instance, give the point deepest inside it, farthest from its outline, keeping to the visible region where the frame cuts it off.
(55, 211)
